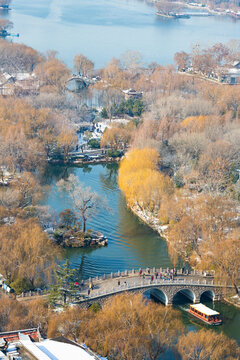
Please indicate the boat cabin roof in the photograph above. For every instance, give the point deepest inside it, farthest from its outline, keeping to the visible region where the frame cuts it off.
(204, 309)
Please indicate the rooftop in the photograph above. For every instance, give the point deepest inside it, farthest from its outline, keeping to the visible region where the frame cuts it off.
(204, 309)
(63, 351)
(28, 345)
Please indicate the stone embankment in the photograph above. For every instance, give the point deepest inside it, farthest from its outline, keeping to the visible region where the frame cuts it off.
(70, 238)
(151, 221)
(102, 160)
(93, 240)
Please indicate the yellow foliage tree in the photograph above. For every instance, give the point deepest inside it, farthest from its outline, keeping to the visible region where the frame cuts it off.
(26, 252)
(195, 123)
(27, 134)
(18, 315)
(141, 182)
(223, 255)
(124, 329)
(54, 75)
(116, 137)
(206, 344)
(66, 140)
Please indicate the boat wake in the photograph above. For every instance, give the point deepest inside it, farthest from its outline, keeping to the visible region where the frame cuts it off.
(183, 308)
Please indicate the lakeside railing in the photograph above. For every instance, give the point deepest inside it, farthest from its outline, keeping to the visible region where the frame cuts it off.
(32, 293)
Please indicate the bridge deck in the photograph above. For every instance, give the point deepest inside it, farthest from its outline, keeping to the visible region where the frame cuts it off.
(111, 286)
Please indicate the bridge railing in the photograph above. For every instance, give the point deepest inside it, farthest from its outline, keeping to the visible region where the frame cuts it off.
(151, 271)
(146, 283)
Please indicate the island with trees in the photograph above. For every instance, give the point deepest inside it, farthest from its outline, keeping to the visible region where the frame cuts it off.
(171, 9)
(72, 231)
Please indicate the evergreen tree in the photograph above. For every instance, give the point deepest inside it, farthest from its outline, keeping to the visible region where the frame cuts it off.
(66, 285)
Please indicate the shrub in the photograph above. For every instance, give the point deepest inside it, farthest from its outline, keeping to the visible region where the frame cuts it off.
(114, 153)
(20, 285)
(178, 181)
(95, 307)
(94, 144)
(104, 113)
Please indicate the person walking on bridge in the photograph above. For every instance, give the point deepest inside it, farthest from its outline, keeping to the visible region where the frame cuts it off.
(91, 286)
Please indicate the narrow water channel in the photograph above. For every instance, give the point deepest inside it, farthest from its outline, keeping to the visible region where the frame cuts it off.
(229, 313)
(132, 244)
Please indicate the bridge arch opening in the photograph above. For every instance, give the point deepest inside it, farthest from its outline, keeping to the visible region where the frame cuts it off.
(207, 295)
(184, 296)
(157, 295)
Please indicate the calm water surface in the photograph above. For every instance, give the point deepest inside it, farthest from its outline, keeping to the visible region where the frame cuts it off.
(102, 29)
(131, 243)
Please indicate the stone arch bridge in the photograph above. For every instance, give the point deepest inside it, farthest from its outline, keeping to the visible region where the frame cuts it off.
(165, 288)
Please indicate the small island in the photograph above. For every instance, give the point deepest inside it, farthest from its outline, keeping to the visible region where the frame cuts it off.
(73, 237)
(72, 231)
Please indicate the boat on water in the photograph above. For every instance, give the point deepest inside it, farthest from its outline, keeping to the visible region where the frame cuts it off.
(182, 16)
(205, 314)
(173, 15)
(4, 33)
(5, 7)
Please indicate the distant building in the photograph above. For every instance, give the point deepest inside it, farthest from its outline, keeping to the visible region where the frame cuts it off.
(236, 64)
(131, 93)
(18, 82)
(230, 73)
(196, 4)
(6, 84)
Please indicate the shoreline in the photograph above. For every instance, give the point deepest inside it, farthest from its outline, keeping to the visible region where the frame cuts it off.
(234, 14)
(228, 301)
(87, 162)
(162, 231)
(151, 221)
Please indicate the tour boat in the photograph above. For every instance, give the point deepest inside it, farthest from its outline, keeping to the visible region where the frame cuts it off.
(205, 314)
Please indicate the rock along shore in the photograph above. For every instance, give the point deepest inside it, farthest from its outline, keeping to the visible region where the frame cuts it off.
(151, 221)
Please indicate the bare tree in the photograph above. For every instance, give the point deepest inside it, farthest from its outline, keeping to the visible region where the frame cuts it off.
(131, 60)
(182, 60)
(82, 64)
(167, 7)
(5, 24)
(86, 202)
(110, 99)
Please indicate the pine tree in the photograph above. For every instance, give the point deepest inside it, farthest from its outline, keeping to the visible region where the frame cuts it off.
(66, 285)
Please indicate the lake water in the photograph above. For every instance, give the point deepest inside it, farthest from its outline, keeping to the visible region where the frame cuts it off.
(102, 29)
(132, 244)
